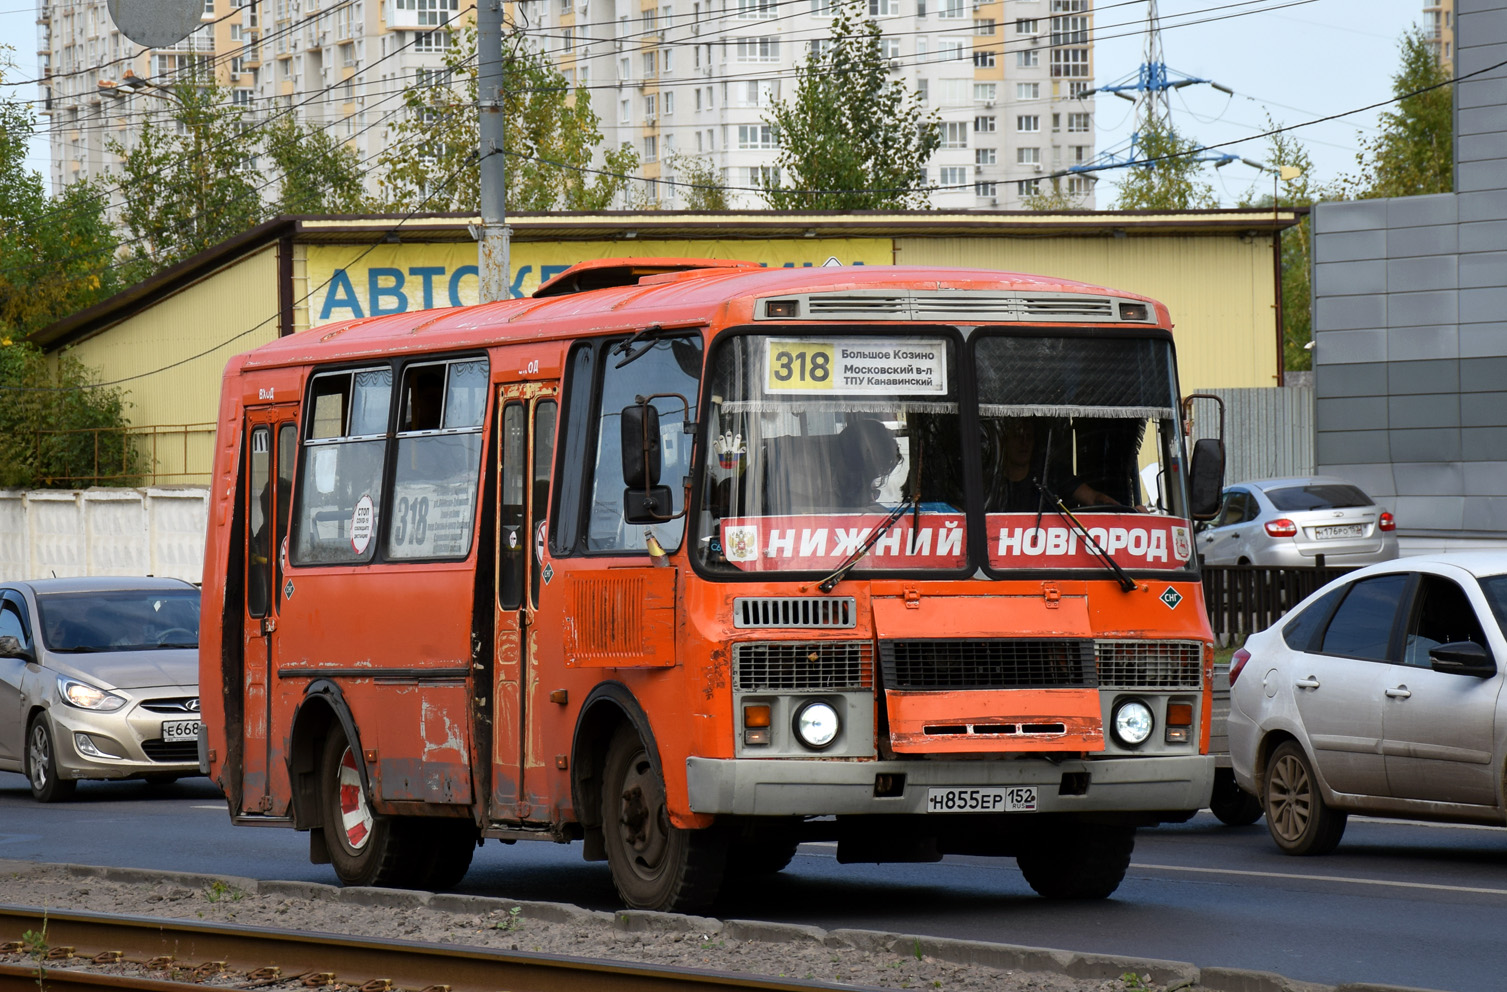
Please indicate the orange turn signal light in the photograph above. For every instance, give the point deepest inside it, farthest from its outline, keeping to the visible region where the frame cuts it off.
(1179, 714)
(756, 715)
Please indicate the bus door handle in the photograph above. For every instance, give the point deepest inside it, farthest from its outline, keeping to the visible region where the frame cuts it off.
(269, 624)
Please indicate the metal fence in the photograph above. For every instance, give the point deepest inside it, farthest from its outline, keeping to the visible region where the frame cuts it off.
(155, 455)
(1243, 599)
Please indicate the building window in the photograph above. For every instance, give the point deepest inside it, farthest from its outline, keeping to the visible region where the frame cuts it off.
(889, 48)
(983, 27)
(1025, 25)
(984, 92)
(432, 41)
(983, 124)
(1027, 59)
(1079, 123)
(1078, 90)
(651, 64)
(755, 9)
(983, 156)
(758, 50)
(883, 8)
(756, 136)
(950, 50)
(1027, 156)
(1070, 31)
(950, 8)
(983, 58)
(1027, 123)
(651, 107)
(954, 134)
(953, 176)
(986, 189)
(1028, 91)
(1080, 185)
(651, 149)
(1069, 62)
(1028, 187)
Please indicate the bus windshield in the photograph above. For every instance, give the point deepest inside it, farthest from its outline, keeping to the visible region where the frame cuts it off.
(824, 447)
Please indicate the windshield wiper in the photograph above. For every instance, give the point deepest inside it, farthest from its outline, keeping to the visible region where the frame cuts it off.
(1126, 582)
(831, 581)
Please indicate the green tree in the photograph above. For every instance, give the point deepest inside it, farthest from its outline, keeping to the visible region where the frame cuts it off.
(186, 180)
(1290, 169)
(548, 139)
(54, 253)
(318, 173)
(1055, 198)
(1414, 153)
(58, 429)
(702, 185)
(851, 137)
(1170, 179)
(190, 180)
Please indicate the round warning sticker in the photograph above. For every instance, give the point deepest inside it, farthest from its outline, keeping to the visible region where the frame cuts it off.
(362, 519)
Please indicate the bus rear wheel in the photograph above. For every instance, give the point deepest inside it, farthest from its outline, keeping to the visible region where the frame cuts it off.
(654, 864)
(365, 848)
(1079, 861)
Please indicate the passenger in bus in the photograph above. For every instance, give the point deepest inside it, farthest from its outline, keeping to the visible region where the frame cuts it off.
(1015, 467)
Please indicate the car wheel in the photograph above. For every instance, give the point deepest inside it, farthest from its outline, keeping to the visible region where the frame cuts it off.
(42, 764)
(160, 778)
(1232, 804)
(654, 864)
(1296, 815)
(1081, 861)
(365, 848)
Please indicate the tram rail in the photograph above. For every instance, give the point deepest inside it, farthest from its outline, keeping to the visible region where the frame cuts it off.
(66, 945)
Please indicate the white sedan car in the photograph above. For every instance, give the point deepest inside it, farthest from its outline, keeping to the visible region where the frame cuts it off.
(1380, 694)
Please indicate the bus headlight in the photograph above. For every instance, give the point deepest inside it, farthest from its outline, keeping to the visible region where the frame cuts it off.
(816, 724)
(1133, 722)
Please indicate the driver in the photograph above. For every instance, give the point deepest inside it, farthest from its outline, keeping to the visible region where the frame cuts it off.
(1013, 487)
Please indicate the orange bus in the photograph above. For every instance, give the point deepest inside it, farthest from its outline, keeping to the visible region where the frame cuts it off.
(692, 561)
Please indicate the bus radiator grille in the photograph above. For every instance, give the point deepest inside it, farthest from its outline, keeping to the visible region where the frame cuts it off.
(1003, 663)
(787, 665)
(1150, 664)
(752, 612)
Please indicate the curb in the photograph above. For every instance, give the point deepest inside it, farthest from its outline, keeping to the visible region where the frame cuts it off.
(1174, 976)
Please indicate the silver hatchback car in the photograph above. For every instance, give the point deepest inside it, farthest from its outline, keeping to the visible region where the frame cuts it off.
(99, 679)
(1381, 693)
(1290, 522)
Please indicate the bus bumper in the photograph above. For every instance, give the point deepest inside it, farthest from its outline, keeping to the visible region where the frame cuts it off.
(747, 787)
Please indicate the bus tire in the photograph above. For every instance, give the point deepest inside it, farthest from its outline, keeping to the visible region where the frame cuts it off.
(1230, 803)
(1080, 861)
(654, 864)
(365, 848)
(450, 845)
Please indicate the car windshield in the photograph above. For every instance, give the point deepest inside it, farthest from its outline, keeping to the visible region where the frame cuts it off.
(119, 620)
(1317, 496)
(1495, 588)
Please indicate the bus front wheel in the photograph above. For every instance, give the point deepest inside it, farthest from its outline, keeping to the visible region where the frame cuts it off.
(365, 848)
(1080, 861)
(654, 864)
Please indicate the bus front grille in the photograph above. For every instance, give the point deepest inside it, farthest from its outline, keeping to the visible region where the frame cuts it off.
(750, 612)
(1150, 664)
(776, 666)
(1003, 663)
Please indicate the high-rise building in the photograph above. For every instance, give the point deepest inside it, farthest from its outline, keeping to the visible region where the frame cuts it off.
(1010, 79)
(1439, 28)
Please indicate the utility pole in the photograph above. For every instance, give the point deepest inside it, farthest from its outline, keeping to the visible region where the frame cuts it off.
(492, 262)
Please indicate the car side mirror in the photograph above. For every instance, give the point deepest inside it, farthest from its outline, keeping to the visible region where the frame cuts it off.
(1463, 658)
(1206, 478)
(11, 647)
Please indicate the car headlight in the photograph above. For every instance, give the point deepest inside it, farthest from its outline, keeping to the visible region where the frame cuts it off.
(1133, 722)
(816, 724)
(88, 697)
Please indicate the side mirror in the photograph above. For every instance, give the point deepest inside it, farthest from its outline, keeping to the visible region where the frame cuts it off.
(1463, 658)
(654, 505)
(640, 446)
(1206, 479)
(11, 647)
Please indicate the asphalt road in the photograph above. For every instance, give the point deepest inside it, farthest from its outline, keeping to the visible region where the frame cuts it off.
(1405, 904)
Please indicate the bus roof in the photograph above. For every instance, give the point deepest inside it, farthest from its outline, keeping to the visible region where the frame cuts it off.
(635, 293)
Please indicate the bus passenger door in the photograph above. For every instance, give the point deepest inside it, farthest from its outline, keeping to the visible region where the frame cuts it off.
(527, 413)
(272, 443)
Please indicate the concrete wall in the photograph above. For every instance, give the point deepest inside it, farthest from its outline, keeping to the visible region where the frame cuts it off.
(1410, 324)
(103, 532)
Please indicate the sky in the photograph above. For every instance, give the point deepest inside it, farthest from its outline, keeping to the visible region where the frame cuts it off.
(1294, 60)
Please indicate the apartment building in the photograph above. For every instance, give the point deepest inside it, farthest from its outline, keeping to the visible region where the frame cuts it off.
(1439, 28)
(1010, 79)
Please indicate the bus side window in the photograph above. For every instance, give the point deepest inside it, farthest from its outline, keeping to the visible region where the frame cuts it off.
(513, 548)
(438, 460)
(340, 479)
(668, 369)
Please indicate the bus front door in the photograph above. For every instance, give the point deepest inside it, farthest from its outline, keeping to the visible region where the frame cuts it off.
(527, 413)
(272, 443)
